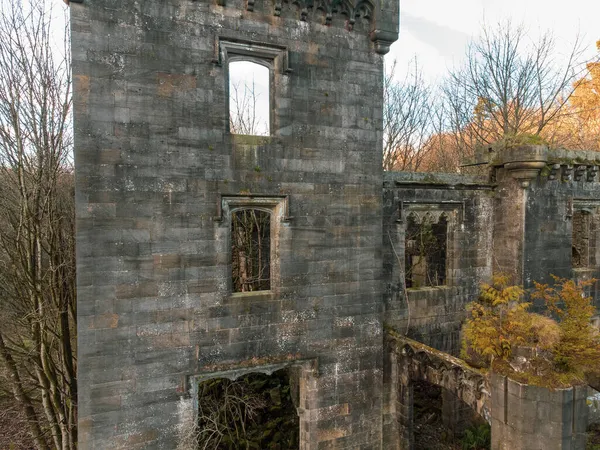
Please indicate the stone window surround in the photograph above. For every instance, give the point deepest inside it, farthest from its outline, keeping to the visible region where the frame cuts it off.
(591, 207)
(278, 207)
(300, 371)
(453, 212)
(273, 57)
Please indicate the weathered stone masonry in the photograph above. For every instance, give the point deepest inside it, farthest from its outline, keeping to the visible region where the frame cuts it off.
(433, 315)
(159, 175)
(156, 167)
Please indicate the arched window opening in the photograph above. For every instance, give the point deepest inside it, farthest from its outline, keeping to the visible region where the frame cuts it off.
(251, 250)
(581, 240)
(425, 251)
(249, 103)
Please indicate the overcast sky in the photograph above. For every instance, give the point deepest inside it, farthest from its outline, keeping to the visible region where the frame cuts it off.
(438, 31)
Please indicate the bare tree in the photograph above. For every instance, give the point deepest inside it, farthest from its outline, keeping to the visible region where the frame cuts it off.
(509, 87)
(225, 411)
(408, 120)
(250, 247)
(37, 263)
(244, 114)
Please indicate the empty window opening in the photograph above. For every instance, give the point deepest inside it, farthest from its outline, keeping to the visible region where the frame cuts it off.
(249, 104)
(581, 240)
(253, 411)
(251, 250)
(425, 251)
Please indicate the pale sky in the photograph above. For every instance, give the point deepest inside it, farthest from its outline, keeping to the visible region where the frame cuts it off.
(438, 31)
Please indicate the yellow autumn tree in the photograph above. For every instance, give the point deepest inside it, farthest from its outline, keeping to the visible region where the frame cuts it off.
(496, 323)
(563, 351)
(578, 350)
(579, 128)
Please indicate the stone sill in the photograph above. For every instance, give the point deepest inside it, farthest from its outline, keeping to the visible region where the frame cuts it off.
(429, 288)
(253, 295)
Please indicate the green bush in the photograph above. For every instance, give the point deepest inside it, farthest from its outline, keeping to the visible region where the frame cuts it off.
(477, 438)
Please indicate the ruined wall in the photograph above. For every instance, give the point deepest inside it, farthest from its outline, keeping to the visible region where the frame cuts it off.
(518, 222)
(433, 315)
(526, 417)
(540, 196)
(569, 185)
(158, 174)
(406, 362)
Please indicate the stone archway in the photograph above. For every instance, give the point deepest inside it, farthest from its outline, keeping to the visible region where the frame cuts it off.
(409, 361)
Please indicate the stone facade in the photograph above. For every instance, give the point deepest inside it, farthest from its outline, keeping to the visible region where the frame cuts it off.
(433, 315)
(157, 170)
(159, 176)
(528, 417)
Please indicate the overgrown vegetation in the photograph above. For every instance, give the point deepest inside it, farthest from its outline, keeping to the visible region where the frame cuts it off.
(593, 442)
(251, 250)
(253, 412)
(519, 140)
(425, 251)
(561, 351)
(477, 437)
(432, 433)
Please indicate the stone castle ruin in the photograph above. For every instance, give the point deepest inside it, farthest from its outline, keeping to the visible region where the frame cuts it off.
(167, 298)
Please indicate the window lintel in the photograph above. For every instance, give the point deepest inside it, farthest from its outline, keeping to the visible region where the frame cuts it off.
(452, 211)
(228, 49)
(271, 203)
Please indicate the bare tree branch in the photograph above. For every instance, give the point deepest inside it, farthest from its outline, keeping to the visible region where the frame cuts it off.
(37, 266)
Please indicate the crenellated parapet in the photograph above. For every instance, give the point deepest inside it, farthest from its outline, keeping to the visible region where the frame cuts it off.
(525, 163)
(382, 16)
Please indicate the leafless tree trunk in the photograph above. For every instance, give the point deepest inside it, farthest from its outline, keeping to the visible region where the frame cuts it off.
(37, 264)
(250, 250)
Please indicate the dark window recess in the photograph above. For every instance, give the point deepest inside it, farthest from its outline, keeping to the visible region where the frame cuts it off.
(581, 240)
(251, 250)
(425, 252)
(256, 411)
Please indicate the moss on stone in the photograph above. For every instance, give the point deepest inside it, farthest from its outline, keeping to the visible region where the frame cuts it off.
(246, 139)
(520, 140)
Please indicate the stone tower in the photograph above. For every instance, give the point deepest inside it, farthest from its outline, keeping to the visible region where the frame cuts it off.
(159, 178)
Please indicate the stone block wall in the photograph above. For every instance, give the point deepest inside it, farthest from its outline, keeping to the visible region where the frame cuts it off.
(570, 184)
(433, 315)
(534, 210)
(156, 169)
(526, 417)
(158, 175)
